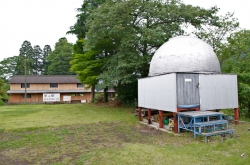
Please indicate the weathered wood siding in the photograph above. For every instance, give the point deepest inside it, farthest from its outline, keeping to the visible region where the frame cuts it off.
(18, 98)
(38, 97)
(47, 87)
(187, 89)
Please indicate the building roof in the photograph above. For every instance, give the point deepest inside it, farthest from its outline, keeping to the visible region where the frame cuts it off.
(47, 91)
(185, 54)
(60, 79)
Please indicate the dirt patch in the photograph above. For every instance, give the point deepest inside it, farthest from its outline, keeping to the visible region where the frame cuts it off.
(144, 130)
(5, 160)
(67, 143)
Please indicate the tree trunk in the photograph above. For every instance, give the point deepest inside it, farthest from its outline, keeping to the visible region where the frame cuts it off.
(92, 92)
(105, 92)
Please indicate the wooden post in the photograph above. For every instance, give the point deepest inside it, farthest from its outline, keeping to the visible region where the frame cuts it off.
(160, 119)
(175, 122)
(236, 116)
(149, 116)
(139, 111)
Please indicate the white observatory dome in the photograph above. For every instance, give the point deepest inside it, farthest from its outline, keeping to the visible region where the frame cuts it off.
(184, 54)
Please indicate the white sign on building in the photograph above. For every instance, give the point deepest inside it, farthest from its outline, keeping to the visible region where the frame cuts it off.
(50, 97)
(66, 98)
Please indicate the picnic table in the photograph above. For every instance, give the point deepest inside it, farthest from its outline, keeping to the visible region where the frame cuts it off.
(204, 123)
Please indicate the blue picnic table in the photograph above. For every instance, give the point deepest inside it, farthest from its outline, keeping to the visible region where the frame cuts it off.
(204, 123)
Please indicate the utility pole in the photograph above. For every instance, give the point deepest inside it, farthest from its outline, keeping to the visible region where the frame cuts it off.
(25, 94)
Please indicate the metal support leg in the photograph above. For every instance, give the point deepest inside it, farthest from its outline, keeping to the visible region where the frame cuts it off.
(149, 116)
(236, 116)
(178, 117)
(175, 122)
(160, 119)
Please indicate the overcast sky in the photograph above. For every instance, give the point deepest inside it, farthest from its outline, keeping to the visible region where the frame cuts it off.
(45, 21)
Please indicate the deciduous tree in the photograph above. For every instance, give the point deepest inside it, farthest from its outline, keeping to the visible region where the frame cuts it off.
(135, 29)
(59, 59)
(8, 67)
(217, 36)
(236, 60)
(3, 89)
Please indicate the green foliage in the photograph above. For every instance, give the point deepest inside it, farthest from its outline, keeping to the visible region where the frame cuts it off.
(1, 102)
(98, 98)
(25, 59)
(3, 89)
(236, 59)
(79, 28)
(216, 36)
(8, 67)
(127, 93)
(45, 63)
(59, 59)
(37, 57)
(133, 30)
(87, 66)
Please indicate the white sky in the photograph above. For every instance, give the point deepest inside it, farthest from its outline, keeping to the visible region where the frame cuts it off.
(43, 22)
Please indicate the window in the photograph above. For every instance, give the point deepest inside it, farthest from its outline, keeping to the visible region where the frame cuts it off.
(53, 85)
(79, 85)
(27, 95)
(23, 85)
(80, 94)
(73, 94)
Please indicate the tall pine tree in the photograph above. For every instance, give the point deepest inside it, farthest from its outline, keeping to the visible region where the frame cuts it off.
(25, 59)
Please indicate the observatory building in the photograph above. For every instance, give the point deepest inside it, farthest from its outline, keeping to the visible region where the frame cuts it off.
(185, 75)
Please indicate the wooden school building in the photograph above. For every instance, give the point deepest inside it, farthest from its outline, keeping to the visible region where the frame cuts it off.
(54, 88)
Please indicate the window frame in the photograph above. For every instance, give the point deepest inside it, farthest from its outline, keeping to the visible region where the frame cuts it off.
(23, 85)
(53, 85)
(79, 85)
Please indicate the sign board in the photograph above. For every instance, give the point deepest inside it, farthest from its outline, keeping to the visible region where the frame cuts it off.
(50, 97)
(188, 79)
(83, 101)
(66, 98)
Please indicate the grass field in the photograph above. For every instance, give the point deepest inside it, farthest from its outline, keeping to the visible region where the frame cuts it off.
(99, 135)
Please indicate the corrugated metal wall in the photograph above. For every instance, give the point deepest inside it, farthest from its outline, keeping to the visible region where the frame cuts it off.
(187, 89)
(218, 92)
(214, 91)
(158, 92)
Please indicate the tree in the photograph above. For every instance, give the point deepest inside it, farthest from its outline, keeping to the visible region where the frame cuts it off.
(86, 73)
(26, 58)
(236, 56)
(59, 59)
(37, 58)
(8, 67)
(135, 29)
(85, 11)
(88, 67)
(45, 63)
(3, 88)
(217, 36)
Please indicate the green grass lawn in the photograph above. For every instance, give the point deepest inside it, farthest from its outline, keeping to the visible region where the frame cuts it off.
(89, 134)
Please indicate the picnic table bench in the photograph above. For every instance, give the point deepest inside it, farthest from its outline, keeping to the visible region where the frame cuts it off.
(199, 122)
